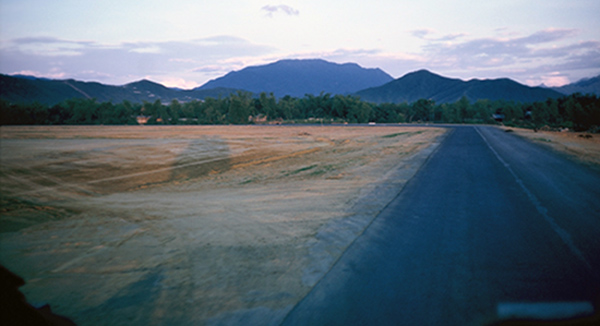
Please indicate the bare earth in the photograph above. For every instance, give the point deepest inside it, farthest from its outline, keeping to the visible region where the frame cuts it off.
(583, 146)
(191, 225)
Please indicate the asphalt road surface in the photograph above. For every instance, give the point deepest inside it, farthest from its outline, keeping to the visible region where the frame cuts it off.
(491, 225)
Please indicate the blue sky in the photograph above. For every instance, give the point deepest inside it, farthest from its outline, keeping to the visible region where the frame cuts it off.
(185, 43)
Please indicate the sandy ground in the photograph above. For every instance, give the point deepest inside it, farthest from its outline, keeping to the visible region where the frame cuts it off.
(213, 225)
(582, 146)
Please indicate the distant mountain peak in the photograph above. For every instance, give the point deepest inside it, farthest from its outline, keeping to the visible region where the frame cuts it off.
(297, 77)
(420, 72)
(144, 82)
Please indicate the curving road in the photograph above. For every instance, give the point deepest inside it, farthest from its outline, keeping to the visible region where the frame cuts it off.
(489, 225)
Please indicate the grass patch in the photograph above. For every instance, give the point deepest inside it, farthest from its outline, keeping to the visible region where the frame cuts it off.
(394, 135)
(318, 172)
(401, 133)
(325, 169)
(306, 168)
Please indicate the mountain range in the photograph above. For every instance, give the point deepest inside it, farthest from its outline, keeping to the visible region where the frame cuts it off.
(295, 78)
(423, 84)
(300, 77)
(26, 89)
(584, 86)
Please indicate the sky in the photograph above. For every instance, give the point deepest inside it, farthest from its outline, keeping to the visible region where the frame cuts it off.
(185, 43)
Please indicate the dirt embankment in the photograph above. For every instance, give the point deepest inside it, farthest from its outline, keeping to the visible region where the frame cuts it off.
(582, 146)
(191, 225)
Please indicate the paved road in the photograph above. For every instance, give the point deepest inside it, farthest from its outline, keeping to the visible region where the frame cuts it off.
(490, 220)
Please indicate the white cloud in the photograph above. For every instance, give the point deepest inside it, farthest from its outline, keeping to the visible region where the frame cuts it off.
(545, 36)
(52, 75)
(532, 59)
(48, 46)
(173, 62)
(175, 82)
(525, 58)
(554, 79)
(209, 68)
(547, 56)
(271, 10)
(146, 49)
(428, 34)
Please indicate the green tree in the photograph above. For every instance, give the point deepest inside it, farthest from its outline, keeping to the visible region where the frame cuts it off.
(192, 111)
(239, 107)
(360, 112)
(513, 113)
(482, 111)
(449, 113)
(163, 115)
(84, 111)
(462, 109)
(421, 110)
(174, 111)
(122, 113)
(23, 114)
(388, 113)
(213, 111)
(341, 106)
(267, 105)
(287, 108)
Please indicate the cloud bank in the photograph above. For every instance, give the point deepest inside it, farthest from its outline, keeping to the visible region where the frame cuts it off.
(547, 56)
(182, 63)
(530, 59)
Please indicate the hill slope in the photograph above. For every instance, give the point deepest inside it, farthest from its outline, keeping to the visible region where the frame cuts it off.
(584, 86)
(299, 77)
(29, 89)
(423, 84)
(293, 77)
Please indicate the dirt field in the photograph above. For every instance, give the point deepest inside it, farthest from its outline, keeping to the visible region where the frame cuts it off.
(583, 146)
(214, 225)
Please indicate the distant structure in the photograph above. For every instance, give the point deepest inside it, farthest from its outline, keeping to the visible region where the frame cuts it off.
(498, 116)
(142, 119)
(261, 118)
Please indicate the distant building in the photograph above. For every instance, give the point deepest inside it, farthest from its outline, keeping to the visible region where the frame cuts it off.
(261, 118)
(498, 117)
(142, 119)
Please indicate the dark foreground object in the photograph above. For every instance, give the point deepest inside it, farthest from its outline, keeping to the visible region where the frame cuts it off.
(490, 221)
(14, 309)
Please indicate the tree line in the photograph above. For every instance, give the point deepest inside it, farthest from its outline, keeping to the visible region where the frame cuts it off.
(577, 112)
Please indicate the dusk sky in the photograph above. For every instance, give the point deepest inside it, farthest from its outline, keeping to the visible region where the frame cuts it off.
(185, 43)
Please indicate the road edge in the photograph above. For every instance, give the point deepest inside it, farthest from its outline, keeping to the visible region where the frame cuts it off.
(334, 238)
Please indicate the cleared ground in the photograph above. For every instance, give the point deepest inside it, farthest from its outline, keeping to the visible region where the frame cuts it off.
(191, 225)
(583, 146)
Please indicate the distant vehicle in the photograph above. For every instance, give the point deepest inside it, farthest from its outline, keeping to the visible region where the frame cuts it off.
(498, 116)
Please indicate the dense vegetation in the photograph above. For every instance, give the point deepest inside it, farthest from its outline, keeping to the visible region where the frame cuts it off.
(577, 112)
